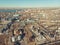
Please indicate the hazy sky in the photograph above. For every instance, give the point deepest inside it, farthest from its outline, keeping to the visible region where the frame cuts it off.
(29, 3)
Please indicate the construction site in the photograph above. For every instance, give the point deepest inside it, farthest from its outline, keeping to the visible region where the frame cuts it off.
(31, 26)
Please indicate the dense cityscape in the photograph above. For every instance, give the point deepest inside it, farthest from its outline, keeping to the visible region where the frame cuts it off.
(30, 26)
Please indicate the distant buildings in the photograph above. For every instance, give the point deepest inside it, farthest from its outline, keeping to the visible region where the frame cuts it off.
(32, 24)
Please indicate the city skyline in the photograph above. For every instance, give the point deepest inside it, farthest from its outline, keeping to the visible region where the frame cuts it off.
(29, 3)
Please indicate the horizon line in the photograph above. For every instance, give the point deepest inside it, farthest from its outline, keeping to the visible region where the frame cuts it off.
(29, 7)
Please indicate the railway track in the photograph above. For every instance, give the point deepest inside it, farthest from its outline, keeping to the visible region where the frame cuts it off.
(51, 43)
